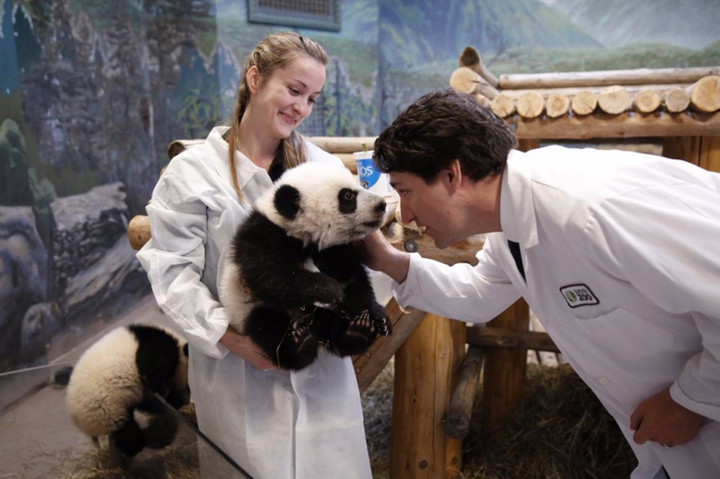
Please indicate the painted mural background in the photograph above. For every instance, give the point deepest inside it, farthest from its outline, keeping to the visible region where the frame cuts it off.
(92, 92)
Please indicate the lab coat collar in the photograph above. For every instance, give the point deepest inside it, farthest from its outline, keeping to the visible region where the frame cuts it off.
(217, 149)
(517, 210)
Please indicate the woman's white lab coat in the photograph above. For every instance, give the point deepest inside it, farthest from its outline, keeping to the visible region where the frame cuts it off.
(275, 425)
(622, 259)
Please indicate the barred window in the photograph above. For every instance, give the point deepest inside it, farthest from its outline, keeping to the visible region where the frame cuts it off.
(320, 14)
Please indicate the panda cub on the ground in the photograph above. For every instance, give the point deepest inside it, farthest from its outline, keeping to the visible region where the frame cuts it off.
(118, 375)
(292, 280)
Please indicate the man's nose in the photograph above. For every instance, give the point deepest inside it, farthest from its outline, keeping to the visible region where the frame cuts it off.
(406, 212)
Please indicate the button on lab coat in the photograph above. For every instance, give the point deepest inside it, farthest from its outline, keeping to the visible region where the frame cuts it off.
(638, 236)
(276, 425)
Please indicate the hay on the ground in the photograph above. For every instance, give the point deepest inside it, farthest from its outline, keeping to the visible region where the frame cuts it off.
(561, 431)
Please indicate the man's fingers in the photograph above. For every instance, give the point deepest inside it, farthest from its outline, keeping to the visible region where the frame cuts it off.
(636, 420)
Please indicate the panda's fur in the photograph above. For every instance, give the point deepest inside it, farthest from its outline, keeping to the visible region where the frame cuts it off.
(118, 375)
(292, 280)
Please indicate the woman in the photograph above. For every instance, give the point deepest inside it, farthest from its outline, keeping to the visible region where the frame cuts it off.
(274, 424)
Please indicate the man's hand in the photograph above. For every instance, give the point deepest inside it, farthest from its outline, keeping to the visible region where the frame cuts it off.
(664, 421)
(379, 255)
(246, 348)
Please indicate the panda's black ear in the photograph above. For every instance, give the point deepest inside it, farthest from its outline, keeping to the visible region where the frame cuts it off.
(287, 201)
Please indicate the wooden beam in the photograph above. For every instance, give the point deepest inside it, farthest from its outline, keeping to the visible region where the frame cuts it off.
(425, 373)
(624, 125)
(339, 144)
(493, 337)
(504, 375)
(572, 91)
(642, 76)
(369, 364)
(470, 58)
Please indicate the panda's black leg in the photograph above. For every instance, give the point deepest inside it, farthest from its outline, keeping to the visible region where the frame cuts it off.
(126, 442)
(288, 342)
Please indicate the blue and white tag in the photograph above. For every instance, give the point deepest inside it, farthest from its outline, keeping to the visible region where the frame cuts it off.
(578, 295)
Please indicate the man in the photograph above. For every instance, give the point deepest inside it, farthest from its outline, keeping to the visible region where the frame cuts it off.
(616, 252)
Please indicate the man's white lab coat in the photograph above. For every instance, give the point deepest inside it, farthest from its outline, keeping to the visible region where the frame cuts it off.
(276, 425)
(622, 257)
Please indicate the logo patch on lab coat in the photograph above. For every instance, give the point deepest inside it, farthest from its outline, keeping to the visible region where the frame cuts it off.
(578, 295)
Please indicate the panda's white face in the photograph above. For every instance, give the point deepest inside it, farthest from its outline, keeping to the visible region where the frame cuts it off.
(322, 204)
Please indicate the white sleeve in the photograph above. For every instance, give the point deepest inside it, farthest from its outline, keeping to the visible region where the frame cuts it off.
(174, 259)
(664, 241)
(464, 292)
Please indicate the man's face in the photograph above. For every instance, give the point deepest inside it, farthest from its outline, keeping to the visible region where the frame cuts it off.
(430, 205)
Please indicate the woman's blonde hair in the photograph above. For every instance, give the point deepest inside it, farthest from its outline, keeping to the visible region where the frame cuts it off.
(273, 52)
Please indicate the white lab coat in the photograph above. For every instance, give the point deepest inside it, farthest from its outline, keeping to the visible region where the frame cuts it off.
(641, 234)
(275, 425)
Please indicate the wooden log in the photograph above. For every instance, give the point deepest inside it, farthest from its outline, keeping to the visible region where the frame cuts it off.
(465, 80)
(526, 145)
(425, 373)
(470, 58)
(572, 91)
(338, 144)
(584, 103)
(557, 105)
(676, 100)
(646, 101)
(457, 421)
(139, 231)
(493, 337)
(483, 100)
(705, 94)
(530, 105)
(503, 106)
(605, 78)
(625, 125)
(504, 373)
(487, 90)
(348, 160)
(369, 364)
(614, 100)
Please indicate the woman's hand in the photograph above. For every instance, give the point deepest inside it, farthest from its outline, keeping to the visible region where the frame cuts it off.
(379, 255)
(246, 348)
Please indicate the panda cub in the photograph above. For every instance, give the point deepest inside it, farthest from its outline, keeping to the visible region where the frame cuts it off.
(118, 375)
(292, 280)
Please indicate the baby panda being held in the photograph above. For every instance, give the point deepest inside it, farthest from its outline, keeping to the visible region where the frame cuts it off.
(292, 281)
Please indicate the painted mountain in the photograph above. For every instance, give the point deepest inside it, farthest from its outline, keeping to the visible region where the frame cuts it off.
(690, 24)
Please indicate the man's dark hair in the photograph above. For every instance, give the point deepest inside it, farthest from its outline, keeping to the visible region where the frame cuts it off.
(440, 127)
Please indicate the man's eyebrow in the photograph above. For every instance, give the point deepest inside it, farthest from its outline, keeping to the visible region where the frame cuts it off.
(394, 184)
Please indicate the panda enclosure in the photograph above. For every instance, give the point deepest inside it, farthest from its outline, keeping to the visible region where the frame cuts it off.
(436, 375)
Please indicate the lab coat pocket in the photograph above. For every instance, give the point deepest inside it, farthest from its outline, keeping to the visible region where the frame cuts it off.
(628, 335)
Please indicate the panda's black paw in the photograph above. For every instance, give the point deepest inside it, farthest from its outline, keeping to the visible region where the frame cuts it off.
(299, 347)
(327, 292)
(380, 319)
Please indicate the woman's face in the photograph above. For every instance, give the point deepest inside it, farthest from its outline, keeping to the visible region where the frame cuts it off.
(281, 102)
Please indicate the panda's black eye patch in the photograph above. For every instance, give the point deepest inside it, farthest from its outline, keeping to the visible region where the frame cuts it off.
(348, 200)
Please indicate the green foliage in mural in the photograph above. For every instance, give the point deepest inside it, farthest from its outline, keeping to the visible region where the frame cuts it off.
(199, 112)
(14, 185)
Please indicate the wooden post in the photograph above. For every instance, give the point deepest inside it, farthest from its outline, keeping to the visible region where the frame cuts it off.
(703, 151)
(504, 375)
(425, 370)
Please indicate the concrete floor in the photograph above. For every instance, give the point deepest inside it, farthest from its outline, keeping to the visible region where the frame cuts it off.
(37, 437)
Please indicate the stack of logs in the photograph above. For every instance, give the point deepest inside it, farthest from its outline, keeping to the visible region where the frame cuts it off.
(613, 92)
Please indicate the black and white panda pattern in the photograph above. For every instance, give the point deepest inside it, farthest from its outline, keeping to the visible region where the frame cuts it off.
(118, 375)
(292, 280)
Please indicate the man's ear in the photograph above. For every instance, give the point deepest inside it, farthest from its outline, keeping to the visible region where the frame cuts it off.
(253, 78)
(453, 174)
(287, 201)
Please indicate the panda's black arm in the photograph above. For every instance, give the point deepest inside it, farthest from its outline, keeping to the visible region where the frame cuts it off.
(281, 279)
(273, 267)
(342, 262)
